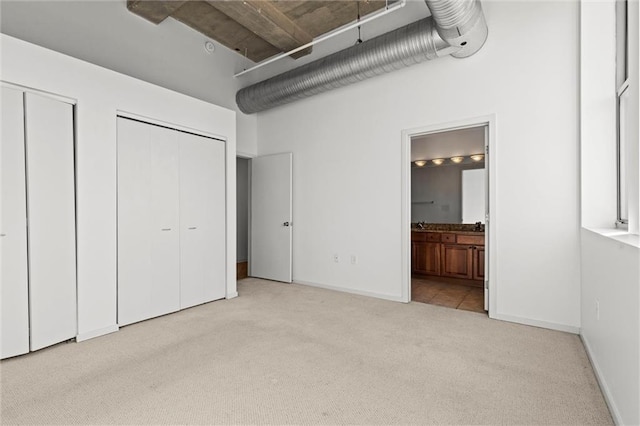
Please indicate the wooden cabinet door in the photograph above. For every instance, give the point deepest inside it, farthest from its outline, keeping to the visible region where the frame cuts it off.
(457, 261)
(426, 258)
(478, 263)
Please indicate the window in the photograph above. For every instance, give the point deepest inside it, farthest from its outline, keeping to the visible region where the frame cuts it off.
(622, 84)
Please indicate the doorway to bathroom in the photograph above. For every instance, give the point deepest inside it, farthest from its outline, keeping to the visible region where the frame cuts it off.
(446, 213)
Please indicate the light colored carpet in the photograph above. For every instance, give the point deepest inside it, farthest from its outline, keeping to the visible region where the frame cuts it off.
(292, 354)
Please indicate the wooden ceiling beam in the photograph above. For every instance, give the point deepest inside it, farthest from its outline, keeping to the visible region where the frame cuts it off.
(266, 20)
(153, 10)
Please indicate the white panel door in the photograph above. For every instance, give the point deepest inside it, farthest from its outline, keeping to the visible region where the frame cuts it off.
(134, 226)
(164, 218)
(148, 234)
(202, 220)
(13, 228)
(271, 217)
(51, 212)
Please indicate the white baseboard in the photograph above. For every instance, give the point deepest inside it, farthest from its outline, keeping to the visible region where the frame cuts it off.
(231, 295)
(96, 333)
(613, 409)
(352, 291)
(537, 323)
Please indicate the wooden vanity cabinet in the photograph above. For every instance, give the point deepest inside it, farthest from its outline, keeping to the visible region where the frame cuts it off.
(425, 253)
(448, 254)
(478, 263)
(457, 261)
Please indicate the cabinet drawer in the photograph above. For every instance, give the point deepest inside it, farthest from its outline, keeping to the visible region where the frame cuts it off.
(433, 237)
(448, 238)
(471, 239)
(418, 236)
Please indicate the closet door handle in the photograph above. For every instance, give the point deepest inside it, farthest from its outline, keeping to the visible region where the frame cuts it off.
(3, 235)
(166, 229)
(192, 227)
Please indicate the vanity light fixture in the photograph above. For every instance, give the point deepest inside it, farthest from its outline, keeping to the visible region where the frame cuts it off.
(420, 163)
(477, 157)
(437, 161)
(457, 159)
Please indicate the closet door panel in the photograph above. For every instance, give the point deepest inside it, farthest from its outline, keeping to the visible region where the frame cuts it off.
(202, 219)
(134, 226)
(148, 234)
(13, 228)
(51, 212)
(165, 235)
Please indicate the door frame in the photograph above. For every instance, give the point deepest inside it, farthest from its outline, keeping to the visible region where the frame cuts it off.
(490, 225)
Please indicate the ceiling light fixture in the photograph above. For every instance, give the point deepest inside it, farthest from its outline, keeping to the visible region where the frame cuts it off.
(437, 161)
(420, 163)
(477, 157)
(457, 160)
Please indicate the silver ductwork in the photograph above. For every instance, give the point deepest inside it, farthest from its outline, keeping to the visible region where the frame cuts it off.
(456, 27)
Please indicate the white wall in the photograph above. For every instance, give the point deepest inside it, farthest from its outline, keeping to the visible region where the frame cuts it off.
(473, 196)
(346, 147)
(105, 33)
(100, 94)
(598, 115)
(610, 296)
(611, 278)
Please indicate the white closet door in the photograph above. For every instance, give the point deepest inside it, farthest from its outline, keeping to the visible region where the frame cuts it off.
(165, 235)
(13, 228)
(51, 212)
(148, 234)
(202, 220)
(134, 227)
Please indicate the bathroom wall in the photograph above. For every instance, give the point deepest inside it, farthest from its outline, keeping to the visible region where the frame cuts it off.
(436, 193)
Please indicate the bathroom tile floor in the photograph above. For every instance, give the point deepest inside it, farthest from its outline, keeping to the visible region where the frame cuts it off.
(446, 294)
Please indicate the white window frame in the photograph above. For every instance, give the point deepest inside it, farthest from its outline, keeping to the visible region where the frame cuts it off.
(622, 84)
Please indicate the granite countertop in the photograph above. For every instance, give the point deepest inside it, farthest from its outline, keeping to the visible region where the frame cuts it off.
(447, 227)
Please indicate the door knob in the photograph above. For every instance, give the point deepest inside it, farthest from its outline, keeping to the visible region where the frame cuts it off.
(286, 224)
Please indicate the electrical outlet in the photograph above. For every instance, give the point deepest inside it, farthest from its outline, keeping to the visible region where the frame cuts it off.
(598, 310)
(336, 258)
(354, 259)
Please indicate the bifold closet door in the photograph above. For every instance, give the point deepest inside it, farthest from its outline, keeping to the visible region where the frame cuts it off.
(202, 219)
(148, 226)
(51, 212)
(13, 228)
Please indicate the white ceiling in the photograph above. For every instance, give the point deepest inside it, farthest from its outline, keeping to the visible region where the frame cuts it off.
(448, 144)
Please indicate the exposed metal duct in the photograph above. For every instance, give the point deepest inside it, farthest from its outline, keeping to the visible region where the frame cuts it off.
(456, 27)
